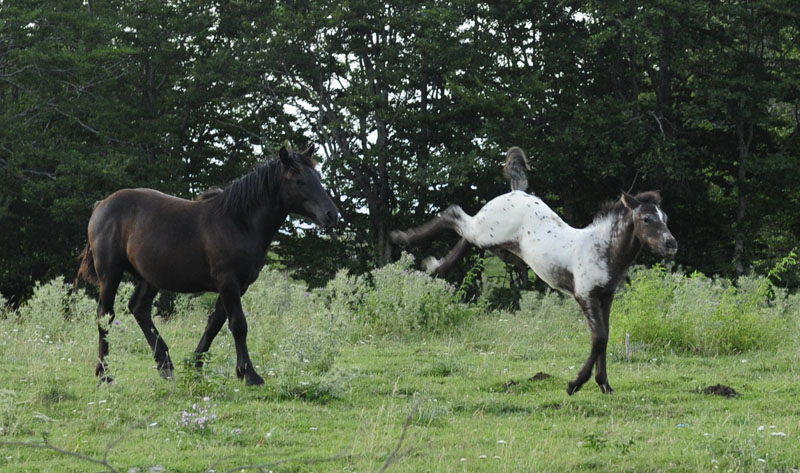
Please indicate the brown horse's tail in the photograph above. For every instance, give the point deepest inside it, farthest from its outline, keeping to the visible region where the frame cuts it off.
(86, 270)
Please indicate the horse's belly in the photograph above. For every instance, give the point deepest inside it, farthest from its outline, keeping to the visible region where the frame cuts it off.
(169, 265)
(550, 255)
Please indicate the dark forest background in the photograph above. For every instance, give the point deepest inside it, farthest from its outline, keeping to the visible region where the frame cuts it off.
(412, 105)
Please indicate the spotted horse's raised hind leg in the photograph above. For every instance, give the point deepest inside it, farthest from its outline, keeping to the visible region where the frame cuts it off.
(449, 219)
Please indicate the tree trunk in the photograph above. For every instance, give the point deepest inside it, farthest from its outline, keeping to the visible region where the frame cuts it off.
(744, 132)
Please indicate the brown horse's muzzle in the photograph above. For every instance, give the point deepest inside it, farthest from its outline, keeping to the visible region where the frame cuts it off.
(327, 218)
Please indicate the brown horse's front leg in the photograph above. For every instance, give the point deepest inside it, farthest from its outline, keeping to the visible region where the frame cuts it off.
(238, 327)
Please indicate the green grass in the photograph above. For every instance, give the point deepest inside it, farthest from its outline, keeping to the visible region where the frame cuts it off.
(338, 398)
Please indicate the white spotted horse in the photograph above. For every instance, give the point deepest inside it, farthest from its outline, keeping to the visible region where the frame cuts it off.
(587, 263)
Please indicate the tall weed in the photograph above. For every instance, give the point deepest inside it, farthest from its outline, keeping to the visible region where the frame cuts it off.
(303, 339)
(53, 307)
(548, 305)
(700, 315)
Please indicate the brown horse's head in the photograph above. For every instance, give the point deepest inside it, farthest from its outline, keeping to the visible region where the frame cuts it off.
(650, 222)
(302, 192)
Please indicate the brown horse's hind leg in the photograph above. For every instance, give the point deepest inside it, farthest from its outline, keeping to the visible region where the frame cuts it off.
(216, 319)
(108, 291)
(141, 305)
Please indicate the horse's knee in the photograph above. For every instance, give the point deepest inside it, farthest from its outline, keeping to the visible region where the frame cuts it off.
(454, 214)
(600, 342)
(238, 326)
(104, 320)
(399, 238)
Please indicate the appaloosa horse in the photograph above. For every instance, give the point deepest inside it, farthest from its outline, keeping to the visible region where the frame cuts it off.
(586, 263)
(216, 244)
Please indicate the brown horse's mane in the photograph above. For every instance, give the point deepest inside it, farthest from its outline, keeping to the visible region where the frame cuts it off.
(246, 193)
(253, 189)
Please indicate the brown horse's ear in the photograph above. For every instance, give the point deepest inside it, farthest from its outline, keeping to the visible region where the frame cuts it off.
(629, 201)
(310, 151)
(284, 155)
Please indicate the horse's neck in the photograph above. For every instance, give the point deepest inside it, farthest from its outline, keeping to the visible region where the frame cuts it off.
(622, 244)
(267, 219)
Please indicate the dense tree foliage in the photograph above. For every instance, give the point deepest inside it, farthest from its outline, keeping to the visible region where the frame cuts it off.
(412, 106)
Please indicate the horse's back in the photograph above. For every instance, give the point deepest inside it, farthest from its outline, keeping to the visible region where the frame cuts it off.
(157, 236)
(536, 233)
(126, 211)
(512, 216)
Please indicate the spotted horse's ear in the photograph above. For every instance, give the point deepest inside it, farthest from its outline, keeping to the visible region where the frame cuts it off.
(629, 201)
(649, 197)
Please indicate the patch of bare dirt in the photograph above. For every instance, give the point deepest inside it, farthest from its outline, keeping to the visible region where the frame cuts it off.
(539, 376)
(508, 386)
(721, 390)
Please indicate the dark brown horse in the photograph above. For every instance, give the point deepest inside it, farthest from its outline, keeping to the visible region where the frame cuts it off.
(216, 244)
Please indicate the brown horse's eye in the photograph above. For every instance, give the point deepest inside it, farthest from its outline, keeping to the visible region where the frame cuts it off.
(647, 219)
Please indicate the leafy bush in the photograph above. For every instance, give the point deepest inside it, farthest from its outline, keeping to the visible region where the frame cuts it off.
(275, 295)
(701, 315)
(54, 306)
(396, 300)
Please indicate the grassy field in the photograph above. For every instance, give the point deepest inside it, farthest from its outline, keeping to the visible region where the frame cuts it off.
(352, 386)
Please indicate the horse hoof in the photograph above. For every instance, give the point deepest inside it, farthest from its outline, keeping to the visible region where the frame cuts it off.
(254, 379)
(431, 264)
(606, 389)
(572, 388)
(398, 238)
(104, 380)
(167, 373)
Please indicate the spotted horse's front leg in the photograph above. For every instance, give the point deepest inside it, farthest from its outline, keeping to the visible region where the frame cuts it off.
(592, 307)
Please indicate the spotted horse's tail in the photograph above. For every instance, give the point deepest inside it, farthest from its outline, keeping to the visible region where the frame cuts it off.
(515, 169)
